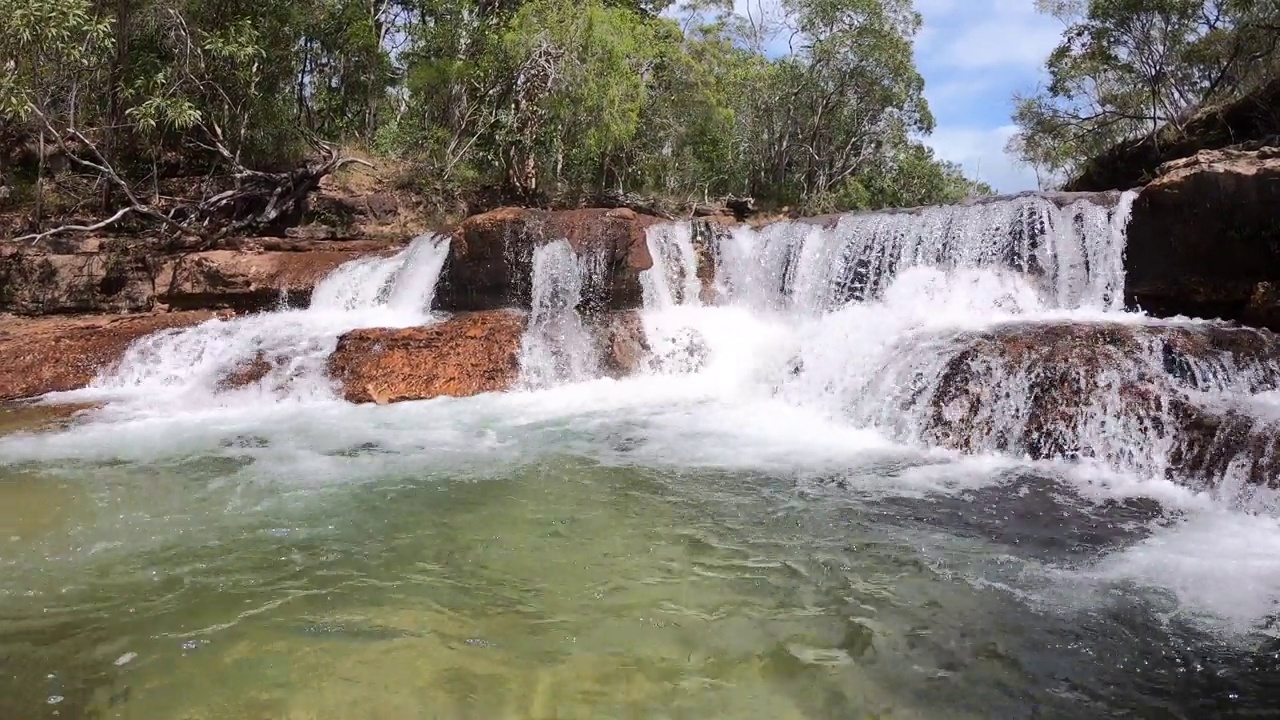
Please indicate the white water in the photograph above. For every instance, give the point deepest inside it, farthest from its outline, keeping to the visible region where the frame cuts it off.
(190, 366)
(556, 348)
(820, 356)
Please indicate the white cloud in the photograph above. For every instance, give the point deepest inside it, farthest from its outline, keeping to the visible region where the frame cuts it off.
(974, 55)
(981, 152)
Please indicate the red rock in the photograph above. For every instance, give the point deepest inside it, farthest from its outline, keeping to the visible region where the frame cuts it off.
(41, 355)
(467, 354)
(492, 254)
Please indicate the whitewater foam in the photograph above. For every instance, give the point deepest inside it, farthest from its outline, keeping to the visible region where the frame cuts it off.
(289, 347)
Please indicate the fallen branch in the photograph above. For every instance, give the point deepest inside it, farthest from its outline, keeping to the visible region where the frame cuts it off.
(37, 237)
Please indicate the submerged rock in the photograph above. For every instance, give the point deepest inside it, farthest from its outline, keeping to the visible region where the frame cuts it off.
(492, 255)
(1203, 239)
(468, 354)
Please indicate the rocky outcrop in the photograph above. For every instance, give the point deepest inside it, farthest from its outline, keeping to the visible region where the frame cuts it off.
(249, 281)
(1204, 239)
(1127, 395)
(41, 355)
(467, 354)
(1252, 120)
(490, 265)
(122, 275)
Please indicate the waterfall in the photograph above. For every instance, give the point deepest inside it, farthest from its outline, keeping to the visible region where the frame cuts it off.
(557, 348)
(989, 328)
(285, 351)
(1072, 255)
(673, 279)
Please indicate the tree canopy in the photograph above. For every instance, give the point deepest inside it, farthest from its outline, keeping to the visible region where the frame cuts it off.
(1126, 68)
(539, 101)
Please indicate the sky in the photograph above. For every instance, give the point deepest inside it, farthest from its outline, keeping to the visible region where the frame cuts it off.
(974, 55)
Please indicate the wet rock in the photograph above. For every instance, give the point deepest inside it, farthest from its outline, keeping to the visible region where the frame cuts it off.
(468, 354)
(41, 355)
(1129, 396)
(1204, 238)
(34, 417)
(246, 281)
(623, 347)
(707, 234)
(683, 350)
(247, 374)
(122, 275)
(492, 253)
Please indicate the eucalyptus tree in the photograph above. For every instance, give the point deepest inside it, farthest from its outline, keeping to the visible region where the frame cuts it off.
(1126, 68)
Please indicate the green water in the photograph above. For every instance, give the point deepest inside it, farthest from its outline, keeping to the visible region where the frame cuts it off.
(562, 590)
(563, 586)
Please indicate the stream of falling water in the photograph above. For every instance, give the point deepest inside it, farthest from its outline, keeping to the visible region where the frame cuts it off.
(910, 465)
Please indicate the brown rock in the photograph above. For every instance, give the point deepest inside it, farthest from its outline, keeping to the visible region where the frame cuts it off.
(468, 354)
(1204, 235)
(622, 342)
(41, 355)
(100, 276)
(245, 281)
(492, 253)
(121, 275)
(1111, 392)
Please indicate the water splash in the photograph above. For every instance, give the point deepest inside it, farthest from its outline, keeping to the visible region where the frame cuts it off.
(557, 348)
(282, 353)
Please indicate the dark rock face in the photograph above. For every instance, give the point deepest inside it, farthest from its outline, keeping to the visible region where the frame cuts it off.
(468, 354)
(1204, 239)
(490, 265)
(1127, 395)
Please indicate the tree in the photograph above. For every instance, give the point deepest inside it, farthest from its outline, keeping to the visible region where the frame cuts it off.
(1126, 68)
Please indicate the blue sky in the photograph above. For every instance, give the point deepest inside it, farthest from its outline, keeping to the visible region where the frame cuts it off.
(974, 55)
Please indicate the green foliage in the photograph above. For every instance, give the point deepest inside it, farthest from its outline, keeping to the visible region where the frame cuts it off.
(541, 100)
(1126, 68)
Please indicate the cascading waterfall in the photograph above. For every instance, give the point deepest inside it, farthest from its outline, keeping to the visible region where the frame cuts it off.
(1072, 255)
(289, 347)
(557, 348)
(673, 280)
(990, 328)
(925, 458)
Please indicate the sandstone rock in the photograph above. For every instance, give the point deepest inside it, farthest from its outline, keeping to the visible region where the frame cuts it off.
(119, 275)
(492, 253)
(1123, 394)
(1205, 236)
(41, 355)
(1245, 123)
(468, 354)
(623, 347)
(103, 276)
(242, 280)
